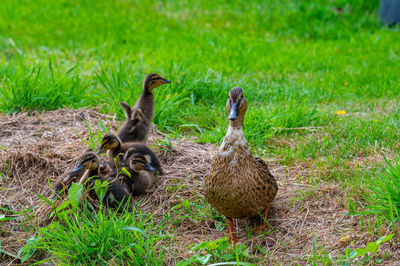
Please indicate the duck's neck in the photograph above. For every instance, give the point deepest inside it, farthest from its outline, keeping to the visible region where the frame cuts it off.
(234, 140)
(146, 104)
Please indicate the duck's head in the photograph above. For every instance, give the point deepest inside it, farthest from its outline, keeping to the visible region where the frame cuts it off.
(153, 81)
(109, 142)
(89, 161)
(236, 105)
(138, 162)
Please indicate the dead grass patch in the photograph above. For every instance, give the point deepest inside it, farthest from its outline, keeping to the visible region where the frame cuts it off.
(39, 147)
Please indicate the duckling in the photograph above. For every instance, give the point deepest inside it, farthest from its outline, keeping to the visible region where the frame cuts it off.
(143, 179)
(118, 192)
(88, 161)
(238, 184)
(138, 180)
(135, 128)
(138, 130)
(122, 152)
(146, 99)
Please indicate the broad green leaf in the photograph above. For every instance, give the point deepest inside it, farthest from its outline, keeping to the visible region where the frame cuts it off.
(372, 247)
(100, 188)
(186, 204)
(357, 253)
(383, 239)
(29, 248)
(74, 195)
(209, 245)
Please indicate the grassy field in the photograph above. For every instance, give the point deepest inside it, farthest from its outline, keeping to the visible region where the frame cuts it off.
(298, 62)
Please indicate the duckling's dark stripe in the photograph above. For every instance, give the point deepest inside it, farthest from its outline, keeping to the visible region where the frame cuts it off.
(87, 159)
(152, 75)
(156, 78)
(138, 161)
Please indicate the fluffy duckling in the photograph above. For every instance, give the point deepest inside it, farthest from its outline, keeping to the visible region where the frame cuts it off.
(135, 127)
(118, 192)
(143, 179)
(139, 118)
(88, 163)
(122, 185)
(122, 151)
(146, 99)
(238, 184)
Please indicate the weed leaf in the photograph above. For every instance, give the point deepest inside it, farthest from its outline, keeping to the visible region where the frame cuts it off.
(74, 195)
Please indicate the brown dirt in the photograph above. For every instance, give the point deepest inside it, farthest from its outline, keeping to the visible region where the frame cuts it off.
(40, 147)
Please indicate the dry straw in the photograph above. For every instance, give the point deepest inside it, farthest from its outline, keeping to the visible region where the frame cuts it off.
(43, 146)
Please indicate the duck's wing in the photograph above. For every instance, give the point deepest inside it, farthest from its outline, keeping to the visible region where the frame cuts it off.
(262, 169)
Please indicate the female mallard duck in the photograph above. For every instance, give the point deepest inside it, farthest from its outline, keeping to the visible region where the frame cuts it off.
(135, 127)
(121, 151)
(88, 163)
(146, 104)
(238, 184)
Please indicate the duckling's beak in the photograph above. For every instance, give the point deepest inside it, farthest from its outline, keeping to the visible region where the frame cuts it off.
(166, 81)
(79, 167)
(233, 114)
(99, 150)
(150, 167)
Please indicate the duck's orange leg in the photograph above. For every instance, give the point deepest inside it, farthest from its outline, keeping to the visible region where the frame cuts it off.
(232, 232)
(264, 223)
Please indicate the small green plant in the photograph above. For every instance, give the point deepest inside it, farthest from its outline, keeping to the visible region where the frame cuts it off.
(371, 248)
(384, 196)
(220, 250)
(165, 145)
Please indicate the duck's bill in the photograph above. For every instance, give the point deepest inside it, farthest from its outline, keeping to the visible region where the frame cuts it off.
(79, 167)
(99, 150)
(166, 81)
(150, 167)
(233, 114)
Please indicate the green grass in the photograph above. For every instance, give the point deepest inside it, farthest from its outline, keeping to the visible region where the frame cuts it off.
(297, 61)
(99, 237)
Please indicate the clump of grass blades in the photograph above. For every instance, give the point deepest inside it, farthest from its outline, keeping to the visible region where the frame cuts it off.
(42, 86)
(101, 237)
(384, 197)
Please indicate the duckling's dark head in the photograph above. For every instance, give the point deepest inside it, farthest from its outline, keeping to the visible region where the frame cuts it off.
(236, 104)
(152, 81)
(109, 142)
(138, 162)
(89, 161)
